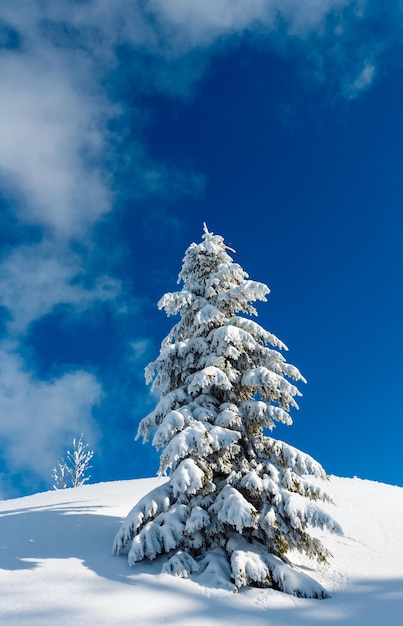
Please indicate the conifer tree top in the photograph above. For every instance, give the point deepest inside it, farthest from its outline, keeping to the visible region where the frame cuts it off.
(213, 286)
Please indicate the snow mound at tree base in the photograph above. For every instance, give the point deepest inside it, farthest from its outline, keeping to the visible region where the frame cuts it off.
(253, 567)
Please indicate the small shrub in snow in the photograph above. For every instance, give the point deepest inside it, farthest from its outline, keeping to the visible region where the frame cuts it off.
(237, 500)
(72, 472)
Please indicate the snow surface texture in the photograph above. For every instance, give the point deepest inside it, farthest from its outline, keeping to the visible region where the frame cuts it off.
(237, 501)
(56, 569)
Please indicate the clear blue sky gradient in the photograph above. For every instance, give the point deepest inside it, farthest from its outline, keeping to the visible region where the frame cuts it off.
(268, 138)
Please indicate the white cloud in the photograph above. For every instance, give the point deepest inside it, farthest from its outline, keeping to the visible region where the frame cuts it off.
(35, 278)
(39, 418)
(363, 81)
(188, 24)
(57, 148)
(51, 134)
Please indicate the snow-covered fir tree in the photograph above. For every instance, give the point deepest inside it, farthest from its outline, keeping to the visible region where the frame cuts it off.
(236, 501)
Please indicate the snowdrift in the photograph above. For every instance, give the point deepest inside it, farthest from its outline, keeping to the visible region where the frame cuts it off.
(56, 566)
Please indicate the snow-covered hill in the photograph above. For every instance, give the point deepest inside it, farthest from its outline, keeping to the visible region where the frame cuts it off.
(56, 567)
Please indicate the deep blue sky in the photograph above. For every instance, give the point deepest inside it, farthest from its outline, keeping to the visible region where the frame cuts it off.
(122, 131)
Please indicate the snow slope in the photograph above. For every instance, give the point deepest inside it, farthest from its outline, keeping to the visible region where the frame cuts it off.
(56, 567)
